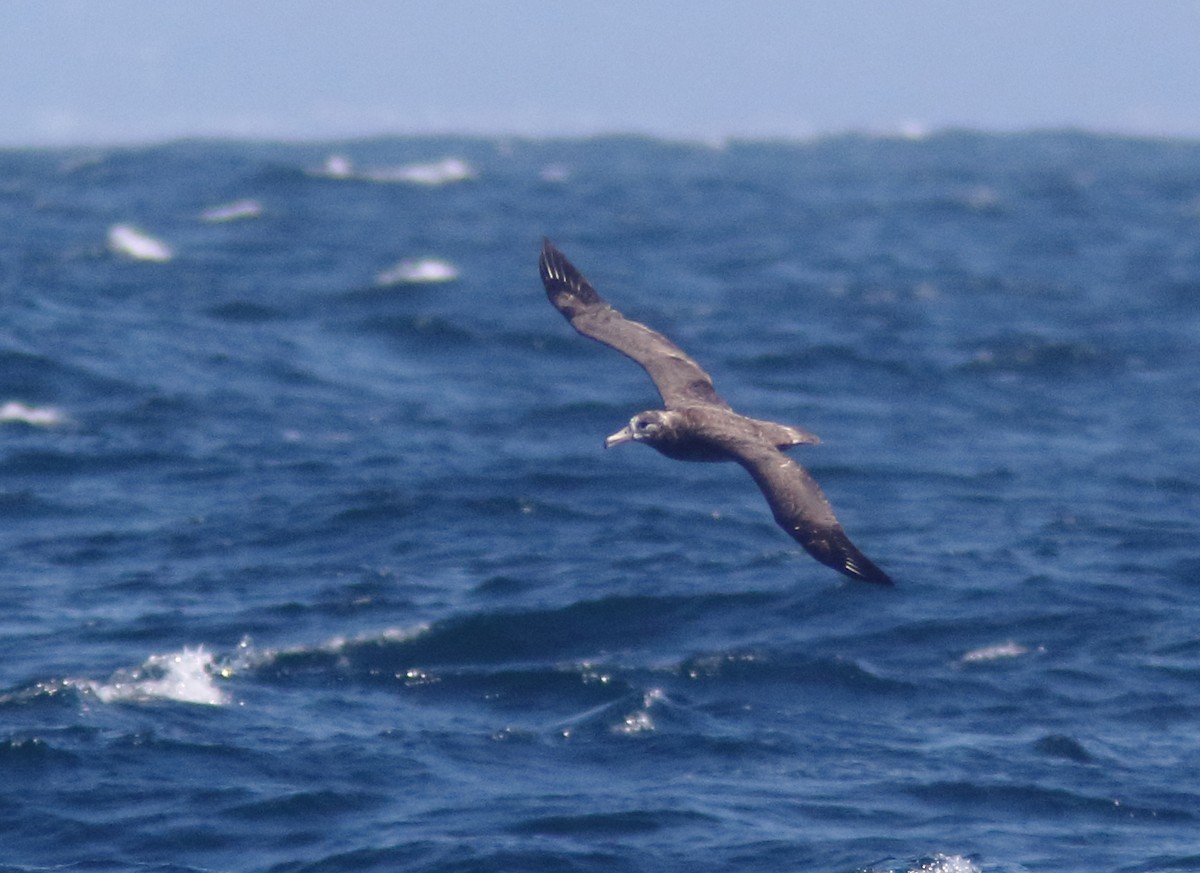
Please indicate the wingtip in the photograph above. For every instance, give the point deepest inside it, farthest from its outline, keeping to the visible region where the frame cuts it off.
(565, 285)
(863, 570)
(834, 549)
(550, 260)
(881, 579)
(849, 561)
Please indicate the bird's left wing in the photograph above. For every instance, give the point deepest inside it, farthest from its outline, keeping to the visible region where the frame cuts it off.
(679, 379)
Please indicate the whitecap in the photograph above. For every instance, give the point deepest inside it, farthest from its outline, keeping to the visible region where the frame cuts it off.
(440, 172)
(640, 721)
(430, 173)
(947, 864)
(38, 416)
(235, 211)
(125, 239)
(411, 271)
(186, 676)
(994, 652)
(337, 167)
(250, 657)
(390, 635)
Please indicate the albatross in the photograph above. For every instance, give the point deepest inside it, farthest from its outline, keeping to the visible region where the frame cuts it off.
(697, 425)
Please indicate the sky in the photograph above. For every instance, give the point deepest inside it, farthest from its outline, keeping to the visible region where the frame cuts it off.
(94, 72)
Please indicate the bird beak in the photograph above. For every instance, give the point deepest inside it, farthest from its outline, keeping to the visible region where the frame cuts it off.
(624, 435)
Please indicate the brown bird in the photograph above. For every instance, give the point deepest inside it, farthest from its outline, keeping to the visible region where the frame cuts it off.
(697, 425)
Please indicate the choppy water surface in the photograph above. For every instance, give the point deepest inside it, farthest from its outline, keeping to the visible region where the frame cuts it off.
(313, 559)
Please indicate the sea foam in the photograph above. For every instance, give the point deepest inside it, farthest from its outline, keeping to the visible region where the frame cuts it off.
(238, 210)
(186, 676)
(429, 173)
(417, 271)
(127, 240)
(38, 416)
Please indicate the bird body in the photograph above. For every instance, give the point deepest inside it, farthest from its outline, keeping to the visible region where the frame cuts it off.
(703, 432)
(698, 425)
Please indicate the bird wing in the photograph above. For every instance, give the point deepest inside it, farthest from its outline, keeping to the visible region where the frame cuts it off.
(801, 509)
(679, 379)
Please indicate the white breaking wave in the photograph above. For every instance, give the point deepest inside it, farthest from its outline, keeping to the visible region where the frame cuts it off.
(433, 173)
(994, 653)
(187, 676)
(337, 167)
(250, 658)
(235, 211)
(430, 173)
(640, 720)
(125, 239)
(417, 271)
(337, 645)
(39, 416)
(939, 863)
(947, 864)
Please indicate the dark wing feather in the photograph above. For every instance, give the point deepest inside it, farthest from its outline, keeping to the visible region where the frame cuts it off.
(679, 379)
(800, 508)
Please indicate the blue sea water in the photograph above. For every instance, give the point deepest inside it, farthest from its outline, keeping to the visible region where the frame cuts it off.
(314, 561)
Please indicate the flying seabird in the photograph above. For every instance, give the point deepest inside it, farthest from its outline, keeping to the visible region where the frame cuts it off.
(697, 425)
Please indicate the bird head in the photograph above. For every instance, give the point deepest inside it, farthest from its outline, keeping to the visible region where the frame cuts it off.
(646, 426)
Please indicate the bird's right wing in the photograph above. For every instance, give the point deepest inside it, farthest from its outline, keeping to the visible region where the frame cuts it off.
(679, 379)
(801, 509)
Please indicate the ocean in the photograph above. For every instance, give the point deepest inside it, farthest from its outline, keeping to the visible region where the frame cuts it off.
(314, 559)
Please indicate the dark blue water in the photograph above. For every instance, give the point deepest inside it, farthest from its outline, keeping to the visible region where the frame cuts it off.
(313, 560)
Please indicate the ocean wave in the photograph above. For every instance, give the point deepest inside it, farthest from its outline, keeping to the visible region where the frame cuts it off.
(187, 676)
(633, 714)
(29, 504)
(14, 411)
(19, 752)
(1036, 355)
(610, 824)
(417, 271)
(994, 652)
(429, 174)
(578, 630)
(989, 797)
(945, 864)
(441, 172)
(129, 241)
(473, 639)
(936, 863)
(237, 210)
